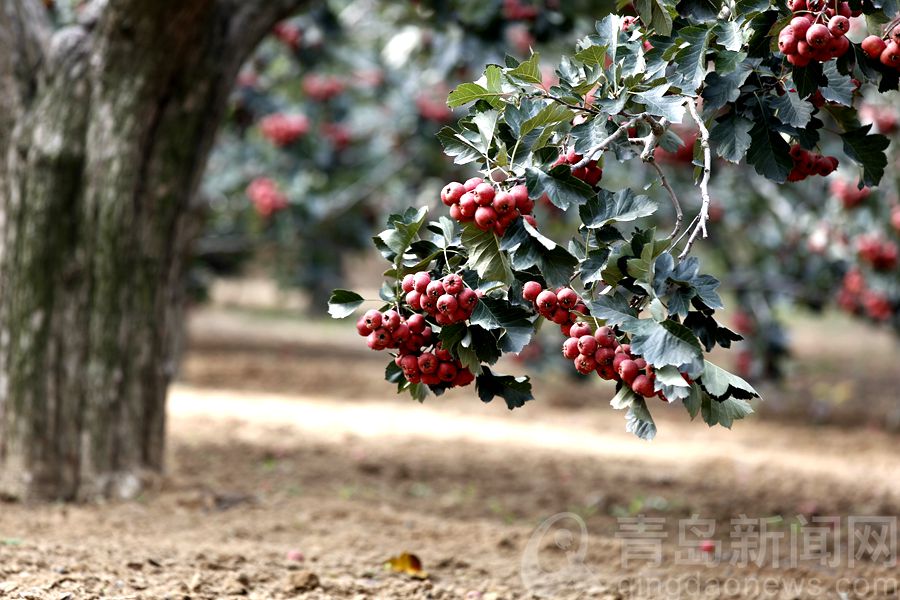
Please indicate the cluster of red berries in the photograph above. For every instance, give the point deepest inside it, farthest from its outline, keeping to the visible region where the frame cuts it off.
(322, 87)
(591, 351)
(881, 254)
(809, 38)
(478, 201)
(288, 34)
(284, 130)
(448, 300)
(855, 297)
(413, 337)
(514, 10)
(808, 163)
(850, 195)
(888, 52)
(266, 197)
(590, 173)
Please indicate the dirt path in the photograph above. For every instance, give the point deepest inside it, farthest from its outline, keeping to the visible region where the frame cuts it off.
(462, 485)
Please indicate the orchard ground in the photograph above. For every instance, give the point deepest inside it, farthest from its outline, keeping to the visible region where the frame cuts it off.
(283, 438)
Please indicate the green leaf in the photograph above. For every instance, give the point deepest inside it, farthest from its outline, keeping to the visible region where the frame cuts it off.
(638, 420)
(494, 313)
(730, 136)
(592, 55)
(624, 398)
(551, 114)
(694, 400)
(666, 343)
(485, 255)
(559, 185)
(456, 145)
(690, 59)
(528, 248)
(868, 151)
(469, 92)
(402, 230)
(807, 79)
(719, 383)
(342, 303)
(840, 87)
(769, 153)
(656, 14)
(670, 382)
(724, 89)
(660, 105)
(592, 266)
(793, 110)
(613, 310)
(516, 391)
(486, 121)
(725, 412)
(607, 207)
(728, 34)
(528, 71)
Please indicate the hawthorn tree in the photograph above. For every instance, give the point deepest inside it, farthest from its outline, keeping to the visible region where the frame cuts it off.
(105, 127)
(771, 86)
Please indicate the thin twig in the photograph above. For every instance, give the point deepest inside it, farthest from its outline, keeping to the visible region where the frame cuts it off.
(604, 144)
(679, 215)
(579, 107)
(700, 226)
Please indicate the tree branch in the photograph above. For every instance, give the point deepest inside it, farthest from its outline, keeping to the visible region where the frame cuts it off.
(603, 144)
(679, 214)
(698, 225)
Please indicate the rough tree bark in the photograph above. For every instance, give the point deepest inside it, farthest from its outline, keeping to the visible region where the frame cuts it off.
(105, 128)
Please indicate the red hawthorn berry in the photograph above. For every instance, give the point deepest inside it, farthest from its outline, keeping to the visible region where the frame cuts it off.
(362, 328)
(839, 25)
(416, 323)
(390, 320)
(373, 319)
(587, 345)
(409, 363)
(546, 301)
(530, 290)
(560, 316)
(472, 183)
(617, 360)
(485, 217)
(799, 26)
(460, 315)
(435, 289)
(408, 283)
(787, 41)
(447, 372)
(401, 334)
(428, 303)
(580, 329)
(567, 297)
(624, 349)
(891, 55)
(566, 329)
(641, 363)
(421, 281)
(484, 194)
(844, 10)
(379, 339)
(456, 213)
(628, 371)
(414, 299)
(570, 348)
(585, 364)
(467, 299)
(447, 304)
(428, 363)
(504, 204)
(463, 378)
(606, 337)
(531, 221)
(467, 205)
(453, 284)
(452, 192)
(604, 356)
(643, 385)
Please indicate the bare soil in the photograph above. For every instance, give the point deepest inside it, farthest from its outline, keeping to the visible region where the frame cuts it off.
(283, 439)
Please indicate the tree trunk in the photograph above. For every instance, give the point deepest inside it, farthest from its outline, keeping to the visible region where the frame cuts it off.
(104, 135)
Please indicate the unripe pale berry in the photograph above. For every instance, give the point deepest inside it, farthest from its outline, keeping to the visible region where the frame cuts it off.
(530, 290)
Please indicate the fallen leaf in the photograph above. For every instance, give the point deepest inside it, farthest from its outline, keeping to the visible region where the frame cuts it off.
(406, 563)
